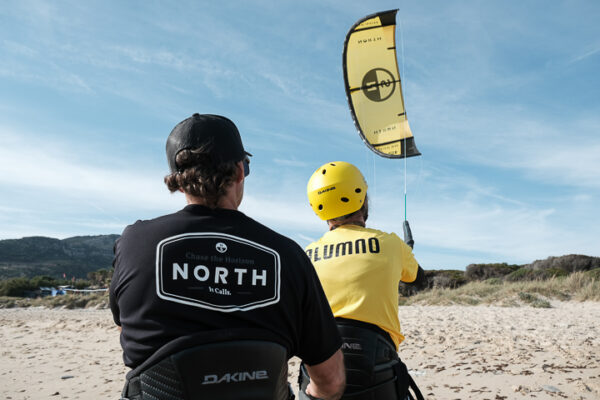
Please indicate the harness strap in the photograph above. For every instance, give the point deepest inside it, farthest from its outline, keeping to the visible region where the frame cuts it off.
(413, 386)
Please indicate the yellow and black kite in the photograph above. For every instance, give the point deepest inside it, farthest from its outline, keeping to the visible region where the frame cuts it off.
(373, 86)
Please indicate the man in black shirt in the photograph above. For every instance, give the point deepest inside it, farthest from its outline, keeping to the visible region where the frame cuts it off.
(209, 273)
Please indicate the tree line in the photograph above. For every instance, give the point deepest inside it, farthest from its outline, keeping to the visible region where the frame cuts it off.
(23, 287)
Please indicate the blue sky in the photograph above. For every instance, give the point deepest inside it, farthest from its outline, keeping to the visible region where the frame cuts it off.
(503, 99)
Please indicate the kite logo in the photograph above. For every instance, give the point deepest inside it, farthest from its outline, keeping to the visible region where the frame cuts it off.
(378, 84)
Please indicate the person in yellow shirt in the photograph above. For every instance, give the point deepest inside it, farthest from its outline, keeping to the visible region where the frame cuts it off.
(360, 269)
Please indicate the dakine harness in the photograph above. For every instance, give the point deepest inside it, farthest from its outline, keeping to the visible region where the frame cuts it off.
(373, 369)
(189, 368)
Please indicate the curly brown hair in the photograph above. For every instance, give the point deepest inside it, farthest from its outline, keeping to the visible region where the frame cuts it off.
(199, 175)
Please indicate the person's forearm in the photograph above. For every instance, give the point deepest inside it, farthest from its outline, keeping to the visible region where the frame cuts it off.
(328, 379)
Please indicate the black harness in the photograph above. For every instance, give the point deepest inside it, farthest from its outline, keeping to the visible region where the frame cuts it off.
(373, 369)
(190, 368)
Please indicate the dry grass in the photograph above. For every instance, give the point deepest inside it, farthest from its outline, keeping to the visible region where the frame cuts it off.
(95, 300)
(579, 286)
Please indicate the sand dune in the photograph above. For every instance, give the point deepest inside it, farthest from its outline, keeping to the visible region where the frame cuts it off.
(454, 352)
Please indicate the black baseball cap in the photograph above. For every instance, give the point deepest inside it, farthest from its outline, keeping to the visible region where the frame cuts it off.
(217, 134)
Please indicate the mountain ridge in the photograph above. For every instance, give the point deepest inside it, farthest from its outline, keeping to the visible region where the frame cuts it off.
(70, 257)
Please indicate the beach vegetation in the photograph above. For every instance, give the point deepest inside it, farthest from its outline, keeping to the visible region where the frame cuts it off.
(30, 287)
(577, 286)
(570, 277)
(535, 274)
(482, 272)
(68, 301)
(534, 300)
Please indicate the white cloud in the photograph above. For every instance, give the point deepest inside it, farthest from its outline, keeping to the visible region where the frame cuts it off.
(54, 170)
(589, 53)
(18, 48)
(307, 239)
(106, 192)
(281, 214)
(458, 217)
(158, 57)
(544, 151)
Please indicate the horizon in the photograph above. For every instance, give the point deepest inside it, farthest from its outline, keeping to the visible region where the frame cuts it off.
(431, 268)
(502, 100)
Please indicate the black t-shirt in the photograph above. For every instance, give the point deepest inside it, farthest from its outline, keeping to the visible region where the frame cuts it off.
(204, 270)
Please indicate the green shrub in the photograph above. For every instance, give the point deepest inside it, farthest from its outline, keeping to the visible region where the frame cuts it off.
(16, 287)
(448, 279)
(554, 273)
(534, 301)
(569, 263)
(481, 272)
(593, 274)
(27, 287)
(521, 274)
(102, 277)
(39, 281)
(81, 284)
(528, 274)
(441, 278)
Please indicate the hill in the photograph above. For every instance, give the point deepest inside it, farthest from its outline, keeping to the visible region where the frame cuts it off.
(73, 257)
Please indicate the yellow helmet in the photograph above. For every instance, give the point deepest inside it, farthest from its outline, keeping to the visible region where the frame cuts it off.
(336, 189)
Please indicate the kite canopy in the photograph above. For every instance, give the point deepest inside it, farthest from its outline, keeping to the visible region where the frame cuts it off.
(373, 86)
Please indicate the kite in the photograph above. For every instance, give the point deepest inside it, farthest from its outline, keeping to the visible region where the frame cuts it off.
(373, 86)
(374, 90)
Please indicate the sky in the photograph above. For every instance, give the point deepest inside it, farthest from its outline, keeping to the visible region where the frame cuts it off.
(503, 99)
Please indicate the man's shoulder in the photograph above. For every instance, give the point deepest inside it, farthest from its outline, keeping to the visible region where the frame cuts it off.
(390, 237)
(378, 232)
(390, 241)
(142, 226)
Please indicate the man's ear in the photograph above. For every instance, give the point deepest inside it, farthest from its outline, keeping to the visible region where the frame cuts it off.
(240, 172)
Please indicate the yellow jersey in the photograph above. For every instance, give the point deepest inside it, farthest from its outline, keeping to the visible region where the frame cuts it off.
(359, 269)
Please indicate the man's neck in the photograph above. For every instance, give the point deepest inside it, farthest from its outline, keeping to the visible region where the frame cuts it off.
(354, 221)
(226, 202)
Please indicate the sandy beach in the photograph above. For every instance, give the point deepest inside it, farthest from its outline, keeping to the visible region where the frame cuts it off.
(453, 352)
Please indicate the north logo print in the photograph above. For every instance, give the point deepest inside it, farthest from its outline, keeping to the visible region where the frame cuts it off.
(217, 271)
(221, 247)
